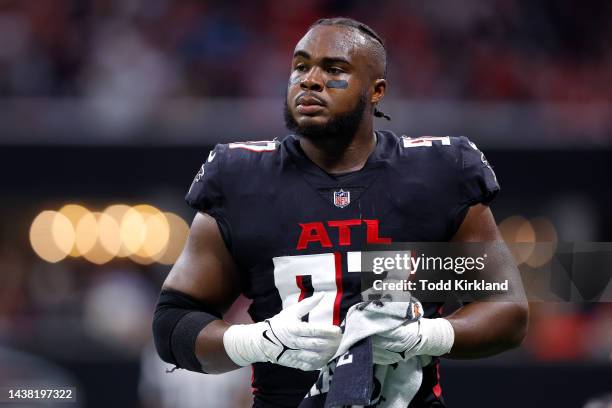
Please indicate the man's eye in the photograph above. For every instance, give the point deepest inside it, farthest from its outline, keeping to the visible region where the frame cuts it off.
(334, 70)
(300, 67)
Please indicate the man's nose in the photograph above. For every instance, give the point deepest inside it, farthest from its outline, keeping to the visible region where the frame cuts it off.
(312, 81)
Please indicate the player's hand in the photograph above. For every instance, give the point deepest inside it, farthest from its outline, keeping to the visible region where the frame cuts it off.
(397, 344)
(285, 339)
(431, 337)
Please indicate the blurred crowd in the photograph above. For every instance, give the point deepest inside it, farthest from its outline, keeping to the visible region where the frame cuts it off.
(516, 50)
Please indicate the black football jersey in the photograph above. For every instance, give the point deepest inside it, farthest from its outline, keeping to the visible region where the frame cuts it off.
(291, 227)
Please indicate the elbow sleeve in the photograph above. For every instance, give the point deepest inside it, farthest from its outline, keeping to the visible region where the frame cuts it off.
(177, 321)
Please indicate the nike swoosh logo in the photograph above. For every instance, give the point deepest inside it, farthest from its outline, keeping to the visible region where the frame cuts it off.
(265, 335)
(211, 156)
(268, 338)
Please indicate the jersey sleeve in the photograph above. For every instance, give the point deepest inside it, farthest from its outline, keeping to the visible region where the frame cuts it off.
(477, 178)
(206, 192)
(477, 183)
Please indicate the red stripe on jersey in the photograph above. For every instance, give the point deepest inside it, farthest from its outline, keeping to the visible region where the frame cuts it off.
(300, 284)
(338, 299)
(437, 389)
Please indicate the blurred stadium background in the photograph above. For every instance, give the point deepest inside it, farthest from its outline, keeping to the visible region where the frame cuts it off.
(108, 108)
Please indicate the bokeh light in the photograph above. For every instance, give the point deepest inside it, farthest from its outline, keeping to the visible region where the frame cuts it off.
(525, 233)
(109, 234)
(52, 236)
(141, 260)
(520, 237)
(157, 233)
(132, 230)
(98, 254)
(116, 212)
(143, 233)
(179, 230)
(546, 242)
(74, 212)
(86, 233)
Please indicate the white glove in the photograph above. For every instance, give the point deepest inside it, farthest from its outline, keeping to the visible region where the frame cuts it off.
(431, 337)
(284, 339)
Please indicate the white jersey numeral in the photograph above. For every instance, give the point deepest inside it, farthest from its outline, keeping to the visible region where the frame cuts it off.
(425, 141)
(261, 146)
(323, 271)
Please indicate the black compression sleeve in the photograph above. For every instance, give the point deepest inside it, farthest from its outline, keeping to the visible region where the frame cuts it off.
(178, 320)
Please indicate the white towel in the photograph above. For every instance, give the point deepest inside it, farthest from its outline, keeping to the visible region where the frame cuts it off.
(391, 385)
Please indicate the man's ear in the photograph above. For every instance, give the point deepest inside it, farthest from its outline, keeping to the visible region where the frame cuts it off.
(380, 86)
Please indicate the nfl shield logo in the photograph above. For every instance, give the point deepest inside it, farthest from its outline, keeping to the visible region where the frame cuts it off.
(342, 198)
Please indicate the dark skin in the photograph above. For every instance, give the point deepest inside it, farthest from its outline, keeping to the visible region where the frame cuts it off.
(487, 328)
(329, 53)
(205, 270)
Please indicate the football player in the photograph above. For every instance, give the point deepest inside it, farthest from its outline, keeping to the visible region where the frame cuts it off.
(277, 219)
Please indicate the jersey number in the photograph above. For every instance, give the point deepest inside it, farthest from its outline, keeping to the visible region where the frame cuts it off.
(299, 276)
(260, 146)
(425, 141)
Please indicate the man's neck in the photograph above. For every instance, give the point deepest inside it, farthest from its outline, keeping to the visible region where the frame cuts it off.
(334, 157)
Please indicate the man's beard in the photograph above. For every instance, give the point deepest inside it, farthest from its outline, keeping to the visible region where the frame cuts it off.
(338, 132)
